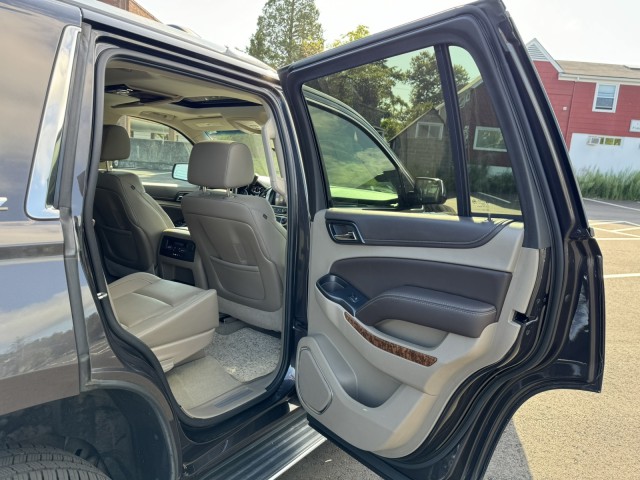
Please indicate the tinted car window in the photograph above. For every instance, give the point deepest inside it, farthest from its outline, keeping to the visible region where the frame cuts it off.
(358, 171)
(402, 97)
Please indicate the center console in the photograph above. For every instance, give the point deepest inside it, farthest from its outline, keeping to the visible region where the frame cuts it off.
(179, 260)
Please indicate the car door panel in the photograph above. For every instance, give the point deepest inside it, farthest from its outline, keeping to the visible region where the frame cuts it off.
(396, 368)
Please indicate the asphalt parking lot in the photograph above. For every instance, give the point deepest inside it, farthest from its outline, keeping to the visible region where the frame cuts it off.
(565, 434)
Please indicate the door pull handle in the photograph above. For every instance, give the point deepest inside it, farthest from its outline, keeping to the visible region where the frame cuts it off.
(349, 236)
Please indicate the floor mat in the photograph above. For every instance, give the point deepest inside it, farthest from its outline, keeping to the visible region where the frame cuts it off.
(199, 381)
(245, 354)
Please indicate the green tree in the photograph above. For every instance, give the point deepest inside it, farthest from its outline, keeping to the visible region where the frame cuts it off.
(424, 78)
(367, 89)
(287, 30)
(360, 31)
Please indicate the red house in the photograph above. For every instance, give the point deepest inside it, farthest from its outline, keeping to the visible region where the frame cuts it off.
(598, 109)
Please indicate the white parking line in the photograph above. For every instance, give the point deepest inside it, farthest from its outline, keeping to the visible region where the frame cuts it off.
(614, 222)
(613, 204)
(628, 228)
(633, 239)
(617, 231)
(622, 275)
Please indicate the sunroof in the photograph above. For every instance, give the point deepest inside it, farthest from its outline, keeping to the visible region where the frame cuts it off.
(214, 101)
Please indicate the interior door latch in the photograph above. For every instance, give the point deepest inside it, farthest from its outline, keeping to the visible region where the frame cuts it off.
(344, 233)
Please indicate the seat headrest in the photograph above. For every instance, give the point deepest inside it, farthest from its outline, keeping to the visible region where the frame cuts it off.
(115, 143)
(220, 165)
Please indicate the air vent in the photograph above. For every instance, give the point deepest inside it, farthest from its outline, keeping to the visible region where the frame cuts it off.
(535, 53)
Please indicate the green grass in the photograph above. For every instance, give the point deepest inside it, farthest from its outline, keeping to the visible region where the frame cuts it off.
(610, 185)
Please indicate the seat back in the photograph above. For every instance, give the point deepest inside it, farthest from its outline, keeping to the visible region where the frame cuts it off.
(240, 241)
(129, 222)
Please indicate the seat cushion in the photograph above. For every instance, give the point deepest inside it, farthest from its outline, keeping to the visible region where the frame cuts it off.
(175, 320)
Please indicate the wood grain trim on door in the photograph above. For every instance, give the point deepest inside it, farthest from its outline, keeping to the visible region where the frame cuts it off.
(393, 348)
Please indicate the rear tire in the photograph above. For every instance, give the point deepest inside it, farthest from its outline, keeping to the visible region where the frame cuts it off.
(45, 463)
(16, 454)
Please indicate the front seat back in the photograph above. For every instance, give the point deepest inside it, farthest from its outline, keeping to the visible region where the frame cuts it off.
(240, 241)
(129, 222)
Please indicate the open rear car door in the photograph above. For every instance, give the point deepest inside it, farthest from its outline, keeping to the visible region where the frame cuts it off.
(452, 271)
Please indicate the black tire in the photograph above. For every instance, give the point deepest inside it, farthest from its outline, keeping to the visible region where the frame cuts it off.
(16, 454)
(45, 463)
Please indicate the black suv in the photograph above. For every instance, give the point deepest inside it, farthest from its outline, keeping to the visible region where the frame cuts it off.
(204, 262)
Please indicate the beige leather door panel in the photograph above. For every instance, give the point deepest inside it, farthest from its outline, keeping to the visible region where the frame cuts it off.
(394, 330)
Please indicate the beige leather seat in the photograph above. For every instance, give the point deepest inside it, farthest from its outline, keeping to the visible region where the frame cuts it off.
(241, 243)
(175, 320)
(129, 222)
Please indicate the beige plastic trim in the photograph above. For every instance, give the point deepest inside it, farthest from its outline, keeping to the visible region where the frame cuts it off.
(372, 429)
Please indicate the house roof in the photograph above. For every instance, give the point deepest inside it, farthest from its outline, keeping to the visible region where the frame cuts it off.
(476, 82)
(537, 52)
(599, 69)
(584, 71)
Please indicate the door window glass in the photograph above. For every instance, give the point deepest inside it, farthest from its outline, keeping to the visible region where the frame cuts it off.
(384, 127)
(359, 171)
(491, 181)
(155, 148)
(401, 102)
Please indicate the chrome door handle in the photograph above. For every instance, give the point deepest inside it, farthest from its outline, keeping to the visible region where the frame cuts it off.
(349, 236)
(344, 232)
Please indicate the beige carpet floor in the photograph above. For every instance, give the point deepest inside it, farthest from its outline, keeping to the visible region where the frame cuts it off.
(231, 359)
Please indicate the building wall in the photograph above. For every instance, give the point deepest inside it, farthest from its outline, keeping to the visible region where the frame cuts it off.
(572, 103)
(130, 6)
(135, 7)
(559, 93)
(604, 157)
(584, 120)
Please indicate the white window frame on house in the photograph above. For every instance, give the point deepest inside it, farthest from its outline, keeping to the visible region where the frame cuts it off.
(597, 95)
(476, 135)
(428, 126)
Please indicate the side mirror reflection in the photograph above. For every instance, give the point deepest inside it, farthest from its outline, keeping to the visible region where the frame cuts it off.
(431, 191)
(180, 171)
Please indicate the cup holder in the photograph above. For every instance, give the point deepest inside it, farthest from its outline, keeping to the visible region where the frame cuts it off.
(343, 293)
(332, 287)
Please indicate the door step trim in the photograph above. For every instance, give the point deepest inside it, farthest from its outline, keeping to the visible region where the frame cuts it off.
(272, 454)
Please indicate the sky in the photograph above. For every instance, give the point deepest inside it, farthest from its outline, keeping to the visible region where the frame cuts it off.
(580, 30)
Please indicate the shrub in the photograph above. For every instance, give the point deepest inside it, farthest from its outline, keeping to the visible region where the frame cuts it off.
(624, 185)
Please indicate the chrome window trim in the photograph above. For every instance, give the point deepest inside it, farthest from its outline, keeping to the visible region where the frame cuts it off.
(50, 134)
